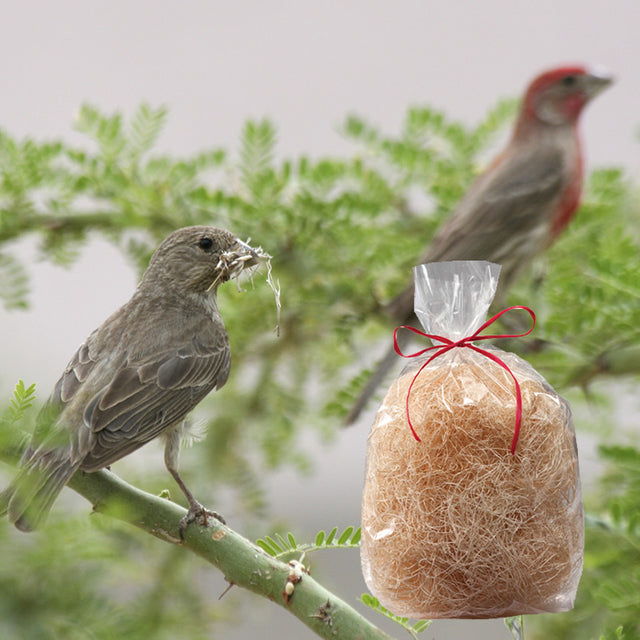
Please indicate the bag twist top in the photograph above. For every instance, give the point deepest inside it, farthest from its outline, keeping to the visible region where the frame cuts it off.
(451, 299)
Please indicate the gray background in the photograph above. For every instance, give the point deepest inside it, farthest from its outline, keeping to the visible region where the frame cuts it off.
(305, 65)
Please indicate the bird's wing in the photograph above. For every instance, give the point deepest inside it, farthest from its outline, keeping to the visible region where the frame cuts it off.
(503, 216)
(142, 396)
(51, 430)
(502, 208)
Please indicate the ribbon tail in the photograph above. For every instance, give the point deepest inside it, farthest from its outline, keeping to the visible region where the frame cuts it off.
(505, 366)
(516, 431)
(413, 431)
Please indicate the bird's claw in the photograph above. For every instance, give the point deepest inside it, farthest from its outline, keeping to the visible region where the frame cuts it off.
(199, 514)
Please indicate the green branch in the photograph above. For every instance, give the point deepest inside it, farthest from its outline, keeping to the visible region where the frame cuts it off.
(243, 563)
(616, 362)
(78, 222)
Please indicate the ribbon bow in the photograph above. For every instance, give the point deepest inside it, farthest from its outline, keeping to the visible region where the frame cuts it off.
(467, 342)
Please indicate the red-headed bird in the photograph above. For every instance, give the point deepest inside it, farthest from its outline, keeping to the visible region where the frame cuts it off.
(518, 207)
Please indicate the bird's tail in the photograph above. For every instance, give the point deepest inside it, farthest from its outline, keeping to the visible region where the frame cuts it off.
(400, 309)
(377, 378)
(42, 476)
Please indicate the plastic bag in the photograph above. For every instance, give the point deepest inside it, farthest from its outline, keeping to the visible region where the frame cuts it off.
(456, 525)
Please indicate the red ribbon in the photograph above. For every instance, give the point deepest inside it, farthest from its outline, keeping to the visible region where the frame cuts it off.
(466, 342)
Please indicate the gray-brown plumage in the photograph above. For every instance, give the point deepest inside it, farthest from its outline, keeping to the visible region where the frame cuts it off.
(138, 375)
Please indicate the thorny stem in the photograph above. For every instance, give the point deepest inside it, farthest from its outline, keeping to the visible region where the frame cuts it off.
(242, 562)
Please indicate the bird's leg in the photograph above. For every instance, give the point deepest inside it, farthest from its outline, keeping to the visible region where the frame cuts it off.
(197, 512)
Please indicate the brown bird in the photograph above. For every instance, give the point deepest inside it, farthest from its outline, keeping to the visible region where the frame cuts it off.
(138, 375)
(518, 207)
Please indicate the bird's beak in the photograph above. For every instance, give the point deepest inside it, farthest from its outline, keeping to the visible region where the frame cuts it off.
(596, 81)
(249, 256)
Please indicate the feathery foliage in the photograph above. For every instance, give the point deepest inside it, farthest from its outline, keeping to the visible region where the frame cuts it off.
(23, 399)
(609, 595)
(344, 233)
(14, 282)
(284, 547)
(413, 629)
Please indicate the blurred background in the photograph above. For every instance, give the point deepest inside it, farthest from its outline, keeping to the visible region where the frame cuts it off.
(305, 66)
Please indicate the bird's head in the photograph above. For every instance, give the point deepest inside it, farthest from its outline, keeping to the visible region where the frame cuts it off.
(557, 97)
(198, 259)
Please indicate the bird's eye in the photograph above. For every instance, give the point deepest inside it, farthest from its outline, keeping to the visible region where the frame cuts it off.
(569, 81)
(205, 243)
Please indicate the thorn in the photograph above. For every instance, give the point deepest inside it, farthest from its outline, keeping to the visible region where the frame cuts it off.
(227, 589)
(323, 614)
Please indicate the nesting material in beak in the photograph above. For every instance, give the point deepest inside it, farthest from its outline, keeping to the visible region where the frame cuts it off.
(243, 257)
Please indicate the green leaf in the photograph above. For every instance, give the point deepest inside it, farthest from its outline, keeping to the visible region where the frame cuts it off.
(14, 282)
(283, 543)
(23, 398)
(289, 546)
(145, 127)
(275, 545)
(345, 535)
(266, 547)
(257, 148)
(373, 603)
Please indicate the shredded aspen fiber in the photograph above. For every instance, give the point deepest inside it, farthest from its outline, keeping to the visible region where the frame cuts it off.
(457, 527)
(232, 264)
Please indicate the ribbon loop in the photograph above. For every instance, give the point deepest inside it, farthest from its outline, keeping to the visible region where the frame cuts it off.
(448, 344)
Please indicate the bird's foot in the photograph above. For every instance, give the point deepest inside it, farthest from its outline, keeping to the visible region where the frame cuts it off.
(199, 514)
